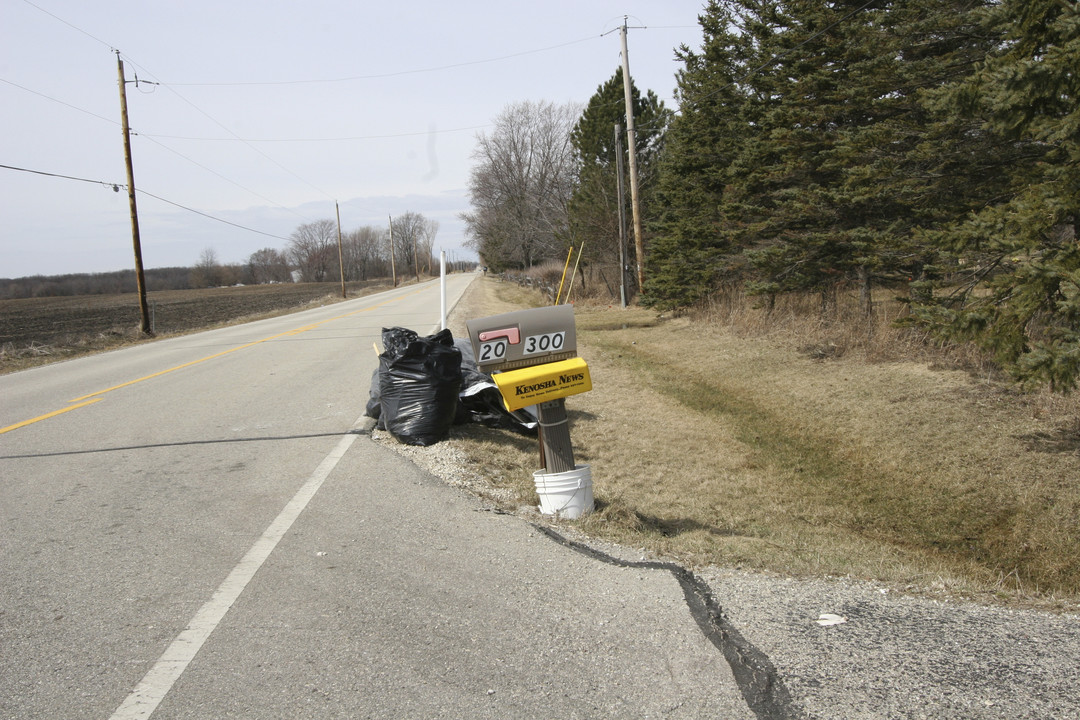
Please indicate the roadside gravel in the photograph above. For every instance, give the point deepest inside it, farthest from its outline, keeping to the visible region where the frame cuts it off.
(897, 656)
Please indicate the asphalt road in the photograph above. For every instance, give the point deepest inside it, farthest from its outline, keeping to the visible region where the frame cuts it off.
(199, 528)
(193, 528)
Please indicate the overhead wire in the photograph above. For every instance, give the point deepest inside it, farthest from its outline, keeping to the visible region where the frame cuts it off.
(217, 174)
(171, 86)
(116, 188)
(315, 140)
(61, 102)
(151, 138)
(207, 215)
(235, 136)
(73, 27)
(112, 48)
(250, 140)
(378, 76)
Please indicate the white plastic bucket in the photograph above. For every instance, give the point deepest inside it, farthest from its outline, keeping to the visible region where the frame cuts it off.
(567, 494)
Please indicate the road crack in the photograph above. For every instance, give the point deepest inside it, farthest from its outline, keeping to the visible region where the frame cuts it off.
(761, 687)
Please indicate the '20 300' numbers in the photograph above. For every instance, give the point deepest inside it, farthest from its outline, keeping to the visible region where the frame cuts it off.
(534, 345)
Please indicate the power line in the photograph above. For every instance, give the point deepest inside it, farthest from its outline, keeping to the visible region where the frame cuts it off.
(378, 76)
(116, 187)
(237, 137)
(207, 215)
(152, 139)
(200, 110)
(156, 136)
(313, 140)
(196, 163)
(73, 27)
(61, 102)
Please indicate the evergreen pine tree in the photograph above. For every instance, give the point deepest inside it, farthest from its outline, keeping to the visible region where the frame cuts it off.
(1024, 239)
(594, 208)
(690, 253)
(803, 159)
(831, 186)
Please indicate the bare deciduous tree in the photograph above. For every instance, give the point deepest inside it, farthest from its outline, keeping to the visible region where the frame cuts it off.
(268, 265)
(414, 237)
(313, 250)
(365, 252)
(207, 272)
(521, 183)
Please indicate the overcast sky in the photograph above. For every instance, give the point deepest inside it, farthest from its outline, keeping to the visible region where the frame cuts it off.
(269, 111)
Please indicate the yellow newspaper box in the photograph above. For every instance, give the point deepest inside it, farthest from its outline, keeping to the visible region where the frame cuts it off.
(541, 383)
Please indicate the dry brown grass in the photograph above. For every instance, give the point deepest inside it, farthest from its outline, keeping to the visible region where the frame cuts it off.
(738, 440)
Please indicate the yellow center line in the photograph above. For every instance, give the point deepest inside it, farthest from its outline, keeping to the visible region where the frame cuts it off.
(54, 413)
(179, 367)
(83, 401)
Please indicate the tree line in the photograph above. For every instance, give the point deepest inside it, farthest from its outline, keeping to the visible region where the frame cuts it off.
(927, 147)
(106, 283)
(402, 248)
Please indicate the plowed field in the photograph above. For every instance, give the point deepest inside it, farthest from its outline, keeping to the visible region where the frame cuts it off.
(42, 329)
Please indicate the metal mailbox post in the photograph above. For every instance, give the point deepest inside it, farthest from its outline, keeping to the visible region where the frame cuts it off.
(533, 354)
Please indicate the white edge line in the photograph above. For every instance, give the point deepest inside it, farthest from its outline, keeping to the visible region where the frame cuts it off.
(151, 690)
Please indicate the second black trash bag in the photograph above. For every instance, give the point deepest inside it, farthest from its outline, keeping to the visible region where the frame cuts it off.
(419, 382)
(481, 402)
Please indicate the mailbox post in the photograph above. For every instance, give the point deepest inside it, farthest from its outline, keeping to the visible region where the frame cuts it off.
(557, 454)
(533, 354)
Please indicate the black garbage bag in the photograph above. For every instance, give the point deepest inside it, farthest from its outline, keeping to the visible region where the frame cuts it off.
(374, 403)
(481, 402)
(419, 379)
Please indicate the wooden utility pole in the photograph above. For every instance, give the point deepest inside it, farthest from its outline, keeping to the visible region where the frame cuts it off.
(393, 261)
(140, 281)
(622, 214)
(631, 139)
(415, 257)
(340, 256)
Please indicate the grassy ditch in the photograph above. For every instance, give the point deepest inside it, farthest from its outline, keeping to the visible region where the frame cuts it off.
(717, 446)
